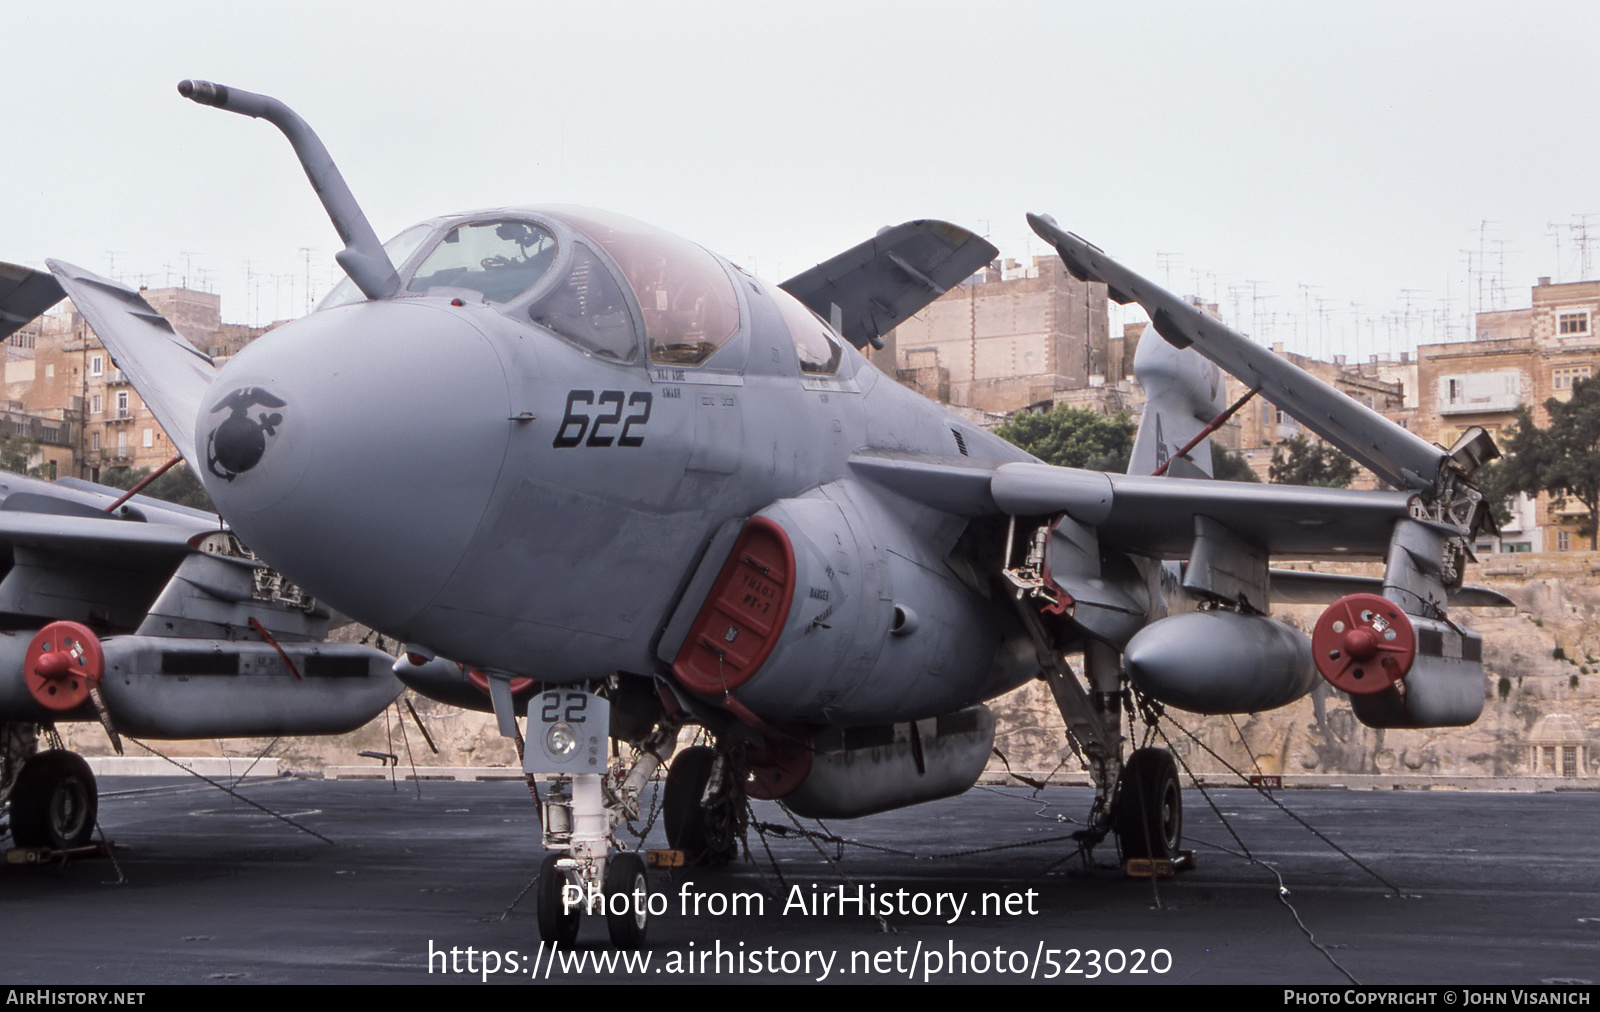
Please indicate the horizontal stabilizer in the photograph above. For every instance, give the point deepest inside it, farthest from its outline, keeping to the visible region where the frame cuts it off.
(170, 373)
(24, 294)
(1392, 453)
(870, 289)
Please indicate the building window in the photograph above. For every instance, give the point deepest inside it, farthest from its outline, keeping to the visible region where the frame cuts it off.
(1517, 546)
(1568, 324)
(122, 403)
(1562, 379)
(1500, 390)
(149, 439)
(52, 470)
(1563, 541)
(95, 404)
(94, 440)
(50, 370)
(97, 365)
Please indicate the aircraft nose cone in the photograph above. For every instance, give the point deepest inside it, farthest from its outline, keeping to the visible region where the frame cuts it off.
(355, 451)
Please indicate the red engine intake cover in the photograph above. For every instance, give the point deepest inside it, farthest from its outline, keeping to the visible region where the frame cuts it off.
(1363, 644)
(740, 623)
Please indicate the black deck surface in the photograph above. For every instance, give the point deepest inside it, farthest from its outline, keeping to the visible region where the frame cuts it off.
(1495, 888)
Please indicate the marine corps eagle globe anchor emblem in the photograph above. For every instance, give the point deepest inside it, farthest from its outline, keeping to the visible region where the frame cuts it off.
(236, 445)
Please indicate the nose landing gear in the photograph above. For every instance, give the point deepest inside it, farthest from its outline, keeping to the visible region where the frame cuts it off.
(587, 872)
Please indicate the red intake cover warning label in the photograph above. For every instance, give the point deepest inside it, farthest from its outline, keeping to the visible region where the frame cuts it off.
(743, 617)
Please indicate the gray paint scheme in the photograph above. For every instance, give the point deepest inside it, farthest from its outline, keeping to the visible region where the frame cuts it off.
(414, 465)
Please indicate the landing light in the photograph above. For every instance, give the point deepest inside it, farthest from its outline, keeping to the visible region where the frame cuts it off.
(561, 740)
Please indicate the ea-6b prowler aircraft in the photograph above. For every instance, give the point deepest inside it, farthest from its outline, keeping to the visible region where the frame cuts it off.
(595, 474)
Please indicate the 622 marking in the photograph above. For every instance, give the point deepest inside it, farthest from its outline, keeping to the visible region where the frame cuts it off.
(575, 423)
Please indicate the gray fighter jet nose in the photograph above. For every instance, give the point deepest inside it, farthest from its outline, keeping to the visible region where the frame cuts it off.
(296, 431)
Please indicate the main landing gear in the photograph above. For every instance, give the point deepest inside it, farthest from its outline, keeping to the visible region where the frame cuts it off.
(1147, 814)
(52, 797)
(703, 808)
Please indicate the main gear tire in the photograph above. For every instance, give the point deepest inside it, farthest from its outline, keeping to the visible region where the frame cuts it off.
(556, 923)
(54, 802)
(706, 834)
(1148, 817)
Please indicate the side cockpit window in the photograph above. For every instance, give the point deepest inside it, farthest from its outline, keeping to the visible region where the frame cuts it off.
(499, 259)
(685, 296)
(819, 351)
(588, 309)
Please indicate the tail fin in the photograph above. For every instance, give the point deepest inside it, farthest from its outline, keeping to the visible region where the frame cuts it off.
(1183, 392)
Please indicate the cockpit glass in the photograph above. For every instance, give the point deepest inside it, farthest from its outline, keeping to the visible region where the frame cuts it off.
(399, 249)
(689, 305)
(500, 259)
(814, 343)
(588, 309)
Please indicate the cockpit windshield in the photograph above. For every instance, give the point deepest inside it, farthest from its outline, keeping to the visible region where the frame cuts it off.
(500, 259)
(399, 249)
(688, 302)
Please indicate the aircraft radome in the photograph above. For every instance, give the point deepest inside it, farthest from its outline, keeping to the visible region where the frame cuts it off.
(592, 473)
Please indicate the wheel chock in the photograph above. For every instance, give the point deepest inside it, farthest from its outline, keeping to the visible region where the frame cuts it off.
(1158, 867)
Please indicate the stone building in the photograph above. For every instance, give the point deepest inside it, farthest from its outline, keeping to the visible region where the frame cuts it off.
(1558, 746)
(1260, 426)
(61, 382)
(1008, 337)
(1518, 356)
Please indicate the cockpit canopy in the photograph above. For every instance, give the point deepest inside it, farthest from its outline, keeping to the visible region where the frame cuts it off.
(605, 282)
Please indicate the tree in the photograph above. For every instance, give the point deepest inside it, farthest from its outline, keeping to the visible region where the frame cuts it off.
(1229, 466)
(1299, 461)
(179, 485)
(1562, 460)
(1073, 437)
(15, 454)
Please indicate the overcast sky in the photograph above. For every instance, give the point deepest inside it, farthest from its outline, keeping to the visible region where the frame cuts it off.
(1234, 150)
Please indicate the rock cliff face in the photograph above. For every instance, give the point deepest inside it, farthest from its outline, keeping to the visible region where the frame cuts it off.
(1542, 658)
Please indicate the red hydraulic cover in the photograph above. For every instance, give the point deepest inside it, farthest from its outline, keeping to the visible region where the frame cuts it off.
(744, 614)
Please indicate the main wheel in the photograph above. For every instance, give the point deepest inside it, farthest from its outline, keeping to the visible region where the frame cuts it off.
(707, 834)
(625, 876)
(54, 802)
(556, 923)
(1149, 809)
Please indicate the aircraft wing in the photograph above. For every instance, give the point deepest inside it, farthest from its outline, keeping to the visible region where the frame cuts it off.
(1144, 515)
(24, 294)
(170, 373)
(870, 289)
(1399, 457)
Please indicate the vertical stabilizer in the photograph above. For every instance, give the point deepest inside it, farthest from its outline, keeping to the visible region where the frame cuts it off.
(1183, 392)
